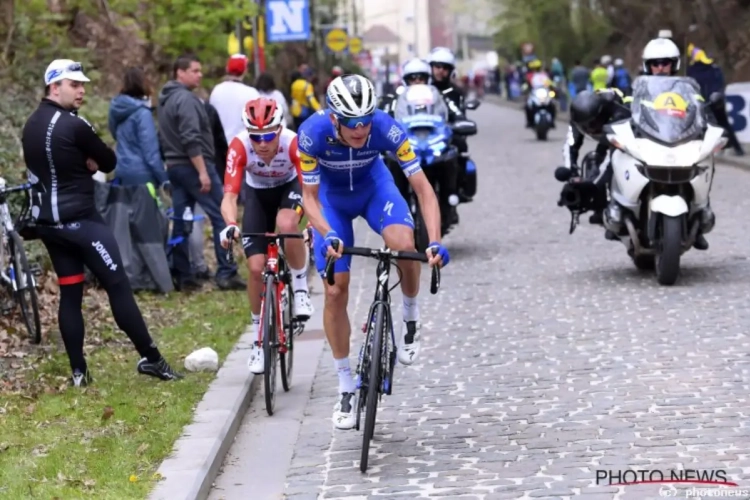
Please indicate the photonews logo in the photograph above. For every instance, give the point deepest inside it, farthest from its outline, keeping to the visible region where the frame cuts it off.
(626, 477)
(676, 483)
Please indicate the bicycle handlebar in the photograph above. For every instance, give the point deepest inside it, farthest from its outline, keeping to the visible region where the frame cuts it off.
(378, 253)
(14, 189)
(276, 236)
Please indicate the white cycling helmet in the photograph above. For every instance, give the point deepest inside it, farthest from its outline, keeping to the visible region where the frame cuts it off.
(606, 60)
(416, 67)
(351, 96)
(661, 48)
(619, 62)
(442, 55)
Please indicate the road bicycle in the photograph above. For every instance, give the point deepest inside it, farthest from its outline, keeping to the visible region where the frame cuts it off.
(15, 272)
(278, 326)
(377, 355)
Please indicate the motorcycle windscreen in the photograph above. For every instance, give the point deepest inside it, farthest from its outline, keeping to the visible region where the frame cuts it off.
(421, 103)
(668, 109)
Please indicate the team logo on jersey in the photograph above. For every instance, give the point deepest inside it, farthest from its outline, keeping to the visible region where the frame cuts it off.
(405, 153)
(307, 163)
(304, 140)
(331, 141)
(394, 134)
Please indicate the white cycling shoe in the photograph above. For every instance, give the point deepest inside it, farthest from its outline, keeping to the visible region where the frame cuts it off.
(411, 342)
(345, 411)
(303, 308)
(255, 362)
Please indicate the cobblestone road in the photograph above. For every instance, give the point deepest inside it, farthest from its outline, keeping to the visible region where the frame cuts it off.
(548, 356)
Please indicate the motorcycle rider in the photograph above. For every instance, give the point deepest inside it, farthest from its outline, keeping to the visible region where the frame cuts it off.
(536, 77)
(661, 57)
(415, 71)
(443, 67)
(590, 111)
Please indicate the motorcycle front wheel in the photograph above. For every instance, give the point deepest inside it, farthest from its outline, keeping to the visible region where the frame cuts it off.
(670, 251)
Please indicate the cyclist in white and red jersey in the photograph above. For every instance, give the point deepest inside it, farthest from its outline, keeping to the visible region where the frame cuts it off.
(265, 156)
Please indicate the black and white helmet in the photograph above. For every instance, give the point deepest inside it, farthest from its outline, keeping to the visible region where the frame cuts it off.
(351, 96)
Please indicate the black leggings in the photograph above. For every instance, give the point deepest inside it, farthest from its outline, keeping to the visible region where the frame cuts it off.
(90, 243)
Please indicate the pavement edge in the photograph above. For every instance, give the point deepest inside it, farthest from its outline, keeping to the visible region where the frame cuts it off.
(197, 455)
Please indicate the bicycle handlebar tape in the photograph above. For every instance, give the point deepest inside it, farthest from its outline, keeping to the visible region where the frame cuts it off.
(435, 281)
(330, 264)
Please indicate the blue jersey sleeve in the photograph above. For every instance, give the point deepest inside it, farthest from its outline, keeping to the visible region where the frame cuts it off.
(396, 141)
(308, 151)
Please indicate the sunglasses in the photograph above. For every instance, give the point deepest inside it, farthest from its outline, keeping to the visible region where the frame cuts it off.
(660, 63)
(415, 78)
(267, 137)
(359, 121)
(442, 66)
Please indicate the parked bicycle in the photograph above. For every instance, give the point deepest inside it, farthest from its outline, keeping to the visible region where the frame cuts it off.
(16, 275)
(278, 326)
(377, 356)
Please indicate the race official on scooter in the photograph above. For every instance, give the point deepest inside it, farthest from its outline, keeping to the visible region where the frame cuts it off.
(443, 66)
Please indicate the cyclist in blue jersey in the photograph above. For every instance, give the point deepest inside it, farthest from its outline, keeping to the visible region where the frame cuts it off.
(344, 178)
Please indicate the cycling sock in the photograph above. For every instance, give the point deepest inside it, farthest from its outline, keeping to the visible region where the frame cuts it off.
(255, 319)
(130, 320)
(346, 382)
(411, 309)
(70, 319)
(299, 279)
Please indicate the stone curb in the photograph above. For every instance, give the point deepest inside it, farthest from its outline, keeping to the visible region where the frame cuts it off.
(188, 473)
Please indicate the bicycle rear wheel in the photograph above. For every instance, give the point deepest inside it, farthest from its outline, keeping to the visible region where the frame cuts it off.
(373, 383)
(25, 290)
(270, 344)
(286, 360)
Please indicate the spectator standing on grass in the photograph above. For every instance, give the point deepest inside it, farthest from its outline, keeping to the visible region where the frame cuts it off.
(229, 94)
(267, 88)
(61, 150)
(186, 135)
(131, 123)
(579, 77)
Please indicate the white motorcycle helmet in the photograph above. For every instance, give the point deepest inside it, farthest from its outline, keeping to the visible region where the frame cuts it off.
(443, 55)
(661, 48)
(416, 67)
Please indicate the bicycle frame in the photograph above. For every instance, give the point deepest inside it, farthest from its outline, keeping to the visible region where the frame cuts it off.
(280, 277)
(6, 227)
(382, 296)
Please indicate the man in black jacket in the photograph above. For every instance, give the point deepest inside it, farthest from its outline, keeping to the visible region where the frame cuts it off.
(185, 133)
(62, 151)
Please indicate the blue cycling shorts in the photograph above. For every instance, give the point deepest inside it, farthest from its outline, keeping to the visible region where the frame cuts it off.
(380, 204)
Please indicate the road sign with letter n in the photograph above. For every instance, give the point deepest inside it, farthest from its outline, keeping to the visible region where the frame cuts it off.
(288, 20)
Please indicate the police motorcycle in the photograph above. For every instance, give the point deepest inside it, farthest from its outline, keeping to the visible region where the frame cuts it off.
(541, 101)
(423, 113)
(663, 166)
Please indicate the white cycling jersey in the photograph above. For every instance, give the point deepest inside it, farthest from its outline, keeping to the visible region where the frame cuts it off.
(241, 157)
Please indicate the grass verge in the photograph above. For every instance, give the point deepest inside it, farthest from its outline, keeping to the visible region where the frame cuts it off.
(106, 441)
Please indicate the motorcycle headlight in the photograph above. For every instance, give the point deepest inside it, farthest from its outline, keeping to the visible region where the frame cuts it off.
(540, 94)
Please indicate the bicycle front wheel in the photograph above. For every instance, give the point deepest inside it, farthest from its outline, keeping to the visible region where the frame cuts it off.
(286, 360)
(24, 288)
(270, 344)
(373, 383)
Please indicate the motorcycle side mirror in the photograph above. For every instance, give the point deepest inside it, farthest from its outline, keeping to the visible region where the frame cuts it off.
(464, 127)
(472, 104)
